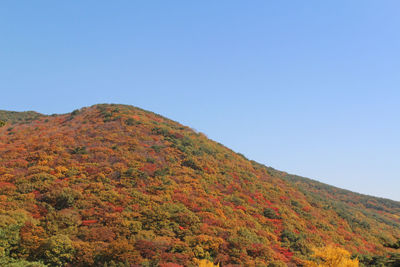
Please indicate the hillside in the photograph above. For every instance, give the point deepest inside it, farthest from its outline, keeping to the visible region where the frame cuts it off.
(114, 184)
(19, 117)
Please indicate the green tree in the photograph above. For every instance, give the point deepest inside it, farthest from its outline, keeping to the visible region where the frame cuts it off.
(57, 250)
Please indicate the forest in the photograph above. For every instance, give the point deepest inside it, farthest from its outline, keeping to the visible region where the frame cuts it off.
(115, 185)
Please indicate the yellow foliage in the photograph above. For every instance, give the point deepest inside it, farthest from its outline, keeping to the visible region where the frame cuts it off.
(61, 169)
(206, 263)
(332, 256)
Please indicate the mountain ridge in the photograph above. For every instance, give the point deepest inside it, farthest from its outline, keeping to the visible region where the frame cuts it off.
(18, 116)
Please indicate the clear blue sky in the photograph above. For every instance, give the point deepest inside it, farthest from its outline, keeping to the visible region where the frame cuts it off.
(309, 87)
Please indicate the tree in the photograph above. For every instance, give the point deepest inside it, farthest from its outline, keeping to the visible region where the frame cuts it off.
(57, 250)
(331, 256)
(10, 225)
(206, 263)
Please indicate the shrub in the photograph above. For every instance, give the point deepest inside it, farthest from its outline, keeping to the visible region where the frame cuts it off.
(191, 164)
(271, 213)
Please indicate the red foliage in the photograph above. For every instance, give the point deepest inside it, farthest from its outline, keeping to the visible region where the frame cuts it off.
(241, 208)
(170, 264)
(7, 185)
(284, 252)
(149, 168)
(88, 222)
(306, 209)
(118, 209)
(283, 198)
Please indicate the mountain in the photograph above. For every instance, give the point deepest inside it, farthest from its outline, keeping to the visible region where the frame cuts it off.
(115, 185)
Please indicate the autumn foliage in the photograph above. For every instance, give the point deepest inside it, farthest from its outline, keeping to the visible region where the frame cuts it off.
(331, 256)
(114, 185)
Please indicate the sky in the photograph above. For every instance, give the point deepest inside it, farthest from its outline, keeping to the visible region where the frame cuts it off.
(308, 87)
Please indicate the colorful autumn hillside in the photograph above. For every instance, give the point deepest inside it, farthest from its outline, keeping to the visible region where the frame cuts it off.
(114, 185)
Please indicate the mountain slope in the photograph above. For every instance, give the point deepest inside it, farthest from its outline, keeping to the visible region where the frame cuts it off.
(114, 183)
(20, 117)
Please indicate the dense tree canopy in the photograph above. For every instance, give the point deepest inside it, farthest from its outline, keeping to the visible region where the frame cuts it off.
(114, 185)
